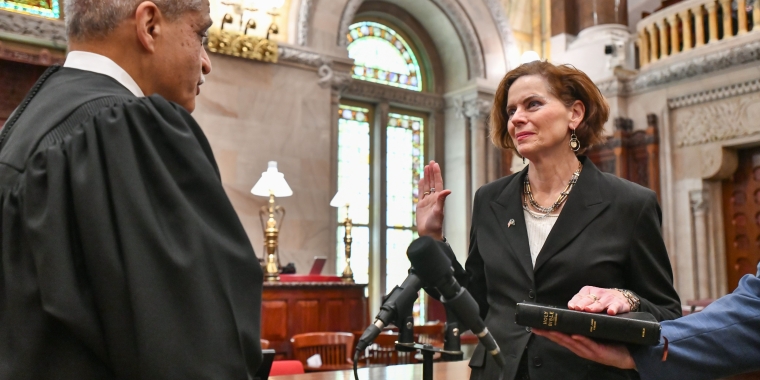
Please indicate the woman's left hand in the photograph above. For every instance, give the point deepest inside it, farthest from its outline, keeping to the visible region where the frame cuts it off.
(596, 300)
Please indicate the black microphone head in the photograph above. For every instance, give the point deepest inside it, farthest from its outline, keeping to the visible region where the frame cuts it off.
(430, 264)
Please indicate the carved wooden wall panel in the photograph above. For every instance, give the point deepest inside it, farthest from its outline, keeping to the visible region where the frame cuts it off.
(631, 155)
(741, 213)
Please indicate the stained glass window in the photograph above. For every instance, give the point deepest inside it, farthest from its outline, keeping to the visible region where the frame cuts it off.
(43, 8)
(382, 56)
(404, 167)
(353, 176)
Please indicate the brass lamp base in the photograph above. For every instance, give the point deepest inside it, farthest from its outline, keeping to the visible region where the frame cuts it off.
(348, 274)
(271, 232)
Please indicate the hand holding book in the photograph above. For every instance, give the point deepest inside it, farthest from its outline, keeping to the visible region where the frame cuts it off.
(633, 327)
(616, 355)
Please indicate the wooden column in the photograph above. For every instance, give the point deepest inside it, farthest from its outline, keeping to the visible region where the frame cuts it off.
(662, 26)
(654, 50)
(675, 38)
(712, 14)
(686, 27)
(728, 22)
(756, 15)
(741, 6)
(699, 26)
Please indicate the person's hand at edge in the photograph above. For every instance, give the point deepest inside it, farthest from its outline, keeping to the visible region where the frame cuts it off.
(431, 201)
(615, 355)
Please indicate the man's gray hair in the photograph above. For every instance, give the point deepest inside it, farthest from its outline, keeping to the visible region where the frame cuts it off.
(91, 18)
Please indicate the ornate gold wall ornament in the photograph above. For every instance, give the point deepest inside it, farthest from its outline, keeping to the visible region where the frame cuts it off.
(240, 45)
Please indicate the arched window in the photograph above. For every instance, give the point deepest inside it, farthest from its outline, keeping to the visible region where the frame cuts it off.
(381, 55)
(43, 8)
(381, 156)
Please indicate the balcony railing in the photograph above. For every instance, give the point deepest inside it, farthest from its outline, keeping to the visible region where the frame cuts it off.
(692, 24)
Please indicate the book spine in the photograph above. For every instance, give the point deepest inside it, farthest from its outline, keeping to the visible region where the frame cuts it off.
(598, 326)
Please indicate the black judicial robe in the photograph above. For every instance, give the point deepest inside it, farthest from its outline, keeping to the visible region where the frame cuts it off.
(121, 255)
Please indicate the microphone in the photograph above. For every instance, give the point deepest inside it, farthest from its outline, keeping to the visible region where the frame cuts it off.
(400, 301)
(434, 268)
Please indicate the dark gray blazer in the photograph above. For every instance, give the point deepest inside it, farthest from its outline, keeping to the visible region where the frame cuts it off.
(607, 235)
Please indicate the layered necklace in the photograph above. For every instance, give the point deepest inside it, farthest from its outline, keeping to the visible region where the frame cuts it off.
(546, 211)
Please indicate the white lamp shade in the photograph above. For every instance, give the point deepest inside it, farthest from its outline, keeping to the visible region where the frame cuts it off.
(341, 198)
(272, 181)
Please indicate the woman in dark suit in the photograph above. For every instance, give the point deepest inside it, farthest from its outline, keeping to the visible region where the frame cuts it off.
(558, 228)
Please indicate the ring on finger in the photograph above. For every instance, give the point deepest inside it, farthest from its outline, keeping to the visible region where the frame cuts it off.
(432, 189)
(426, 193)
(594, 297)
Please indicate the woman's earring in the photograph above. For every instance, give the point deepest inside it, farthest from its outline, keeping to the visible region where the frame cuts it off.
(575, 145)
(523, 160)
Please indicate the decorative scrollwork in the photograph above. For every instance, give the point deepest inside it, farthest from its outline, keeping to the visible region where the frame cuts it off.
(240, 45)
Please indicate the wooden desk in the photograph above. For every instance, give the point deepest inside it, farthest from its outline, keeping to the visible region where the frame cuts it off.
(441, 371)
(290, 308)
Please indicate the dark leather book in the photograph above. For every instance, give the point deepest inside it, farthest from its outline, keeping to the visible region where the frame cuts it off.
(637, 328)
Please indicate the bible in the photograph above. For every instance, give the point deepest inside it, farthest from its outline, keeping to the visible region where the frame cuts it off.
(636, 328)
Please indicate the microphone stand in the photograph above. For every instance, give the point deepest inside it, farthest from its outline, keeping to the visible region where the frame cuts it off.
(451, 351)
(452, 340)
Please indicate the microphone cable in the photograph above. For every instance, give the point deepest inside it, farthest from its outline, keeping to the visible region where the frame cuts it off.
(356, 364)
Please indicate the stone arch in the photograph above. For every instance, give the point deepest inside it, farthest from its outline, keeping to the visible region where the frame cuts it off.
(456, 16)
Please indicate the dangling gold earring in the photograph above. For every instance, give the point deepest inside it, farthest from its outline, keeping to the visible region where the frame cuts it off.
(575, 144)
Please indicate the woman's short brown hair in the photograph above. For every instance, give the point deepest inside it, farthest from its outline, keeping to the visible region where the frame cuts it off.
(565, 82)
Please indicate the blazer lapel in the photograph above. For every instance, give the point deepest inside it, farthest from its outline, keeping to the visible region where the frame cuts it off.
(509, 212)
(583, 204)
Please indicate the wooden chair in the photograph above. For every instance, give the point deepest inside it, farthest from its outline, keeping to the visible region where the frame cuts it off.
(430, 334)
(333, 347)
(382, 352)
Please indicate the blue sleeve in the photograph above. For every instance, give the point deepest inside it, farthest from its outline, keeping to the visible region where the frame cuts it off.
(720, 341)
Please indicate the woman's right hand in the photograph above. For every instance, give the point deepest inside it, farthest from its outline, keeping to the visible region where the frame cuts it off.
(431, 202)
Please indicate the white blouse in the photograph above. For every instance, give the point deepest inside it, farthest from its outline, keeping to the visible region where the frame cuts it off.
(538, 230)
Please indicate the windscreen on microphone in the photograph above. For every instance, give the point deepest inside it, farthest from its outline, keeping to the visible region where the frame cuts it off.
(430, 264)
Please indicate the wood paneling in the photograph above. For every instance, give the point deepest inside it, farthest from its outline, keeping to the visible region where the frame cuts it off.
(741, 215)
(16, 79)
(306, 316)
(631, 155)
(274, 319)
(294, 308)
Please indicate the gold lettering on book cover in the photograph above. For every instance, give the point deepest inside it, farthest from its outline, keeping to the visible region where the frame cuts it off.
(550, 319)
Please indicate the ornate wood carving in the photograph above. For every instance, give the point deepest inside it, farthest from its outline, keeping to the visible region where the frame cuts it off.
(741, 215)
(631, 155)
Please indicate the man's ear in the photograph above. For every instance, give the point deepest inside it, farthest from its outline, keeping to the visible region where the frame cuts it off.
(577, 112)
(148, 23)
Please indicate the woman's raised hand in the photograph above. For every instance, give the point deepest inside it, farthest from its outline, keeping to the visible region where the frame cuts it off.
(597, 300)
(431, 202)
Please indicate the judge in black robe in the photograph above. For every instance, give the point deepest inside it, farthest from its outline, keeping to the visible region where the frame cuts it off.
(121, 255)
